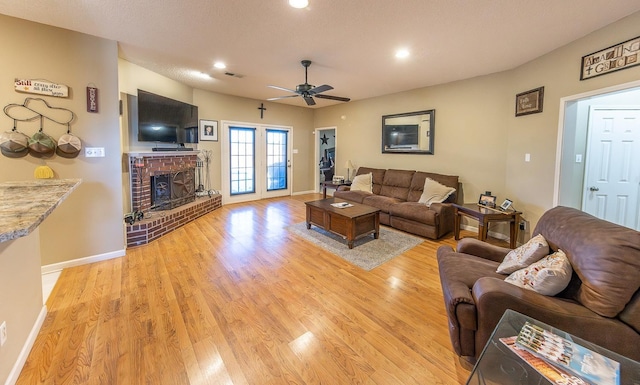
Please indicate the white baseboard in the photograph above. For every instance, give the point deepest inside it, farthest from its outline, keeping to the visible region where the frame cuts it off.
(492, 234)
(26, 348)
(82, 261)
(304, 192)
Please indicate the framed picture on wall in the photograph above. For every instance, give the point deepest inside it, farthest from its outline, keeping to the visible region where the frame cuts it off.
(209, 130)
(529, 102)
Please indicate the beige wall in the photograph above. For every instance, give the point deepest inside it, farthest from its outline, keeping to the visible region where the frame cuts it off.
(90, 221)
(20, 295)
(477, 135)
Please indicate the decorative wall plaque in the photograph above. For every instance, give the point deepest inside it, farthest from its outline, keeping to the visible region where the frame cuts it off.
(615, 58)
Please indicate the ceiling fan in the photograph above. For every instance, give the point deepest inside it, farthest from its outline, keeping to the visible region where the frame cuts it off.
(308, 91)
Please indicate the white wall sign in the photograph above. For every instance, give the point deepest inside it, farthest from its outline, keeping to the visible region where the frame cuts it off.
(41, 87)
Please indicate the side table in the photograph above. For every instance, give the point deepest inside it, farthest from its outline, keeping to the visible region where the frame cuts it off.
(330, 184)
(484, 216)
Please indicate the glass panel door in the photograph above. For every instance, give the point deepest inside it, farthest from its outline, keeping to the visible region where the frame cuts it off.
(242, 160)
(277, 160)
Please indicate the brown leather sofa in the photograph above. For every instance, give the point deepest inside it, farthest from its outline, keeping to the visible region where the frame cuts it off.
(601, 303)
(397, 192)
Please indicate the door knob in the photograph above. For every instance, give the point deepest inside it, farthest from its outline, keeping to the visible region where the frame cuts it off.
(593, 188)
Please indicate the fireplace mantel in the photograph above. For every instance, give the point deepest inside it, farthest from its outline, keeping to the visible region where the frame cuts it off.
(147, 154)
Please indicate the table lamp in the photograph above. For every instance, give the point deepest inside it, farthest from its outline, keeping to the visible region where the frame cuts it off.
(349, 166)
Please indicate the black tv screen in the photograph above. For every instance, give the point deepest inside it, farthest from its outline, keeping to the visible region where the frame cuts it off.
(400, 136)
(161, 119)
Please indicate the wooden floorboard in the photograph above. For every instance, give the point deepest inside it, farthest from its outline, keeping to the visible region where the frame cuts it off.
(234, 298)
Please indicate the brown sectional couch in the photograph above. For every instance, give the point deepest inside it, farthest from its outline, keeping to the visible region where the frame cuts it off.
(601, 303)
(397, 192)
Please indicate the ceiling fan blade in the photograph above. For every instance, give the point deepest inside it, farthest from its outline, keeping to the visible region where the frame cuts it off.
(318, 89)
(283, 97)
(338, 98)
(309, 100)
(282, 88)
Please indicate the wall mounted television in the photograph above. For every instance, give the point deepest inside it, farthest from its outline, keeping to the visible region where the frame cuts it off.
(164, 120)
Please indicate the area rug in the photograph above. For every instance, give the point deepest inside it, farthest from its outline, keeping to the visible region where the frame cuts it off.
(367, 252)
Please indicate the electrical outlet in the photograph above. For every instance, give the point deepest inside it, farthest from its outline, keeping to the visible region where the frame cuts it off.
(522, 225)
(3, 333)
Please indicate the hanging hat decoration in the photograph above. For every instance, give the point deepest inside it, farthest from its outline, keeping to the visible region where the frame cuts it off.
(69, 145)
(14, 144)
(40, 144)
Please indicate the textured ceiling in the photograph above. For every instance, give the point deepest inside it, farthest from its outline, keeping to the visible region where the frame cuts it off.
(351, 42)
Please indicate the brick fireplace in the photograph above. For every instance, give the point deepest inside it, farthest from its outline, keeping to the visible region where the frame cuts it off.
(163, 187)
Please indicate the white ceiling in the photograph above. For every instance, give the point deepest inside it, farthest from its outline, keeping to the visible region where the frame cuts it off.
(351, 42)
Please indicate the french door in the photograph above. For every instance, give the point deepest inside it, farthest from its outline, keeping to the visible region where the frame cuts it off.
(256, 161)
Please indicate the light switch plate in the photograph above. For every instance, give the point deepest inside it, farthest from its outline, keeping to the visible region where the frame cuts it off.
(94, 152)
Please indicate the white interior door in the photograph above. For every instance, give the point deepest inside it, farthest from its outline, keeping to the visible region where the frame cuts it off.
(256, 161)
(612, 178)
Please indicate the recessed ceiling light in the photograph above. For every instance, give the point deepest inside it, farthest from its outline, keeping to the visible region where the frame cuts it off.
(402, 53)
(299, 3)
(201, 75)
(220, 65)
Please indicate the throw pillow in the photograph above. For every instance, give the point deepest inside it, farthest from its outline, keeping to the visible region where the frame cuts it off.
(523, 256)
(362, 182)
(434, 192)
(548, 276)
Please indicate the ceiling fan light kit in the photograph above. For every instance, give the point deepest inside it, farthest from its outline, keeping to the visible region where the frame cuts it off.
(308, 91)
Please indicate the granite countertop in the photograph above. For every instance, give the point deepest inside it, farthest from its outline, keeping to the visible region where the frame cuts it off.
(25, 204)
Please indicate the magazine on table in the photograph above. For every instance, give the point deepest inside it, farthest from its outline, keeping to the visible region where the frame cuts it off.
(341, 205)
(591, 367)
(555, 374)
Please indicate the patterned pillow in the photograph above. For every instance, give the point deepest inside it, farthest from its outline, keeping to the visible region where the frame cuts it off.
(548, 276)
(434, 192)
(523, 256)
(362, 182)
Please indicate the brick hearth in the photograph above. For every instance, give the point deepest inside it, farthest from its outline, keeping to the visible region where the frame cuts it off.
(157, 223)
(160, 223)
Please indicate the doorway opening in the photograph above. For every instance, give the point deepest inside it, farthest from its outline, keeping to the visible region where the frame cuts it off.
(326, 139)
(580, 131)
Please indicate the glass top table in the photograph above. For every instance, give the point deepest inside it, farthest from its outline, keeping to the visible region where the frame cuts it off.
(498, 364)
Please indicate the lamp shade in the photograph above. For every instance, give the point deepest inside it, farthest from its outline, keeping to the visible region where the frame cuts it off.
(349, 165)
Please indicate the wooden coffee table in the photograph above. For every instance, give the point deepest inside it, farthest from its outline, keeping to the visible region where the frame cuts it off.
(350, 222)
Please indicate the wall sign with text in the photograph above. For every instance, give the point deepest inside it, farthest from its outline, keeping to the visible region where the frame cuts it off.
(41, 87)
(614, 58)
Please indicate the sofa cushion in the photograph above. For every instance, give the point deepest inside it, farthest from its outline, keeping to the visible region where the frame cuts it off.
(417, 185)
(362, 183)
(434, 192)
(548, 276)
(603, 255)
(523, 256)
(414, 211)
(380, 202)
(377, 177)
(396, 184)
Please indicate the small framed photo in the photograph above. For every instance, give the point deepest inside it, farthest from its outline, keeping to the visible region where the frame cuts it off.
(209, 130)
(487, 200)
(506, 205)
(529, 102)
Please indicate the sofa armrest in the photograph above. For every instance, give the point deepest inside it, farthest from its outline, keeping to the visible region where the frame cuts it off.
(343, 188)
(481, 249)
(446, 214)
(493, 297)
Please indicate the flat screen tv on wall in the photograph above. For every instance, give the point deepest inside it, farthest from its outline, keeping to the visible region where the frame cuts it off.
(164, 120)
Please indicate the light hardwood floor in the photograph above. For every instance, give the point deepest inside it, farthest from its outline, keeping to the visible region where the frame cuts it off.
(234, 298)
